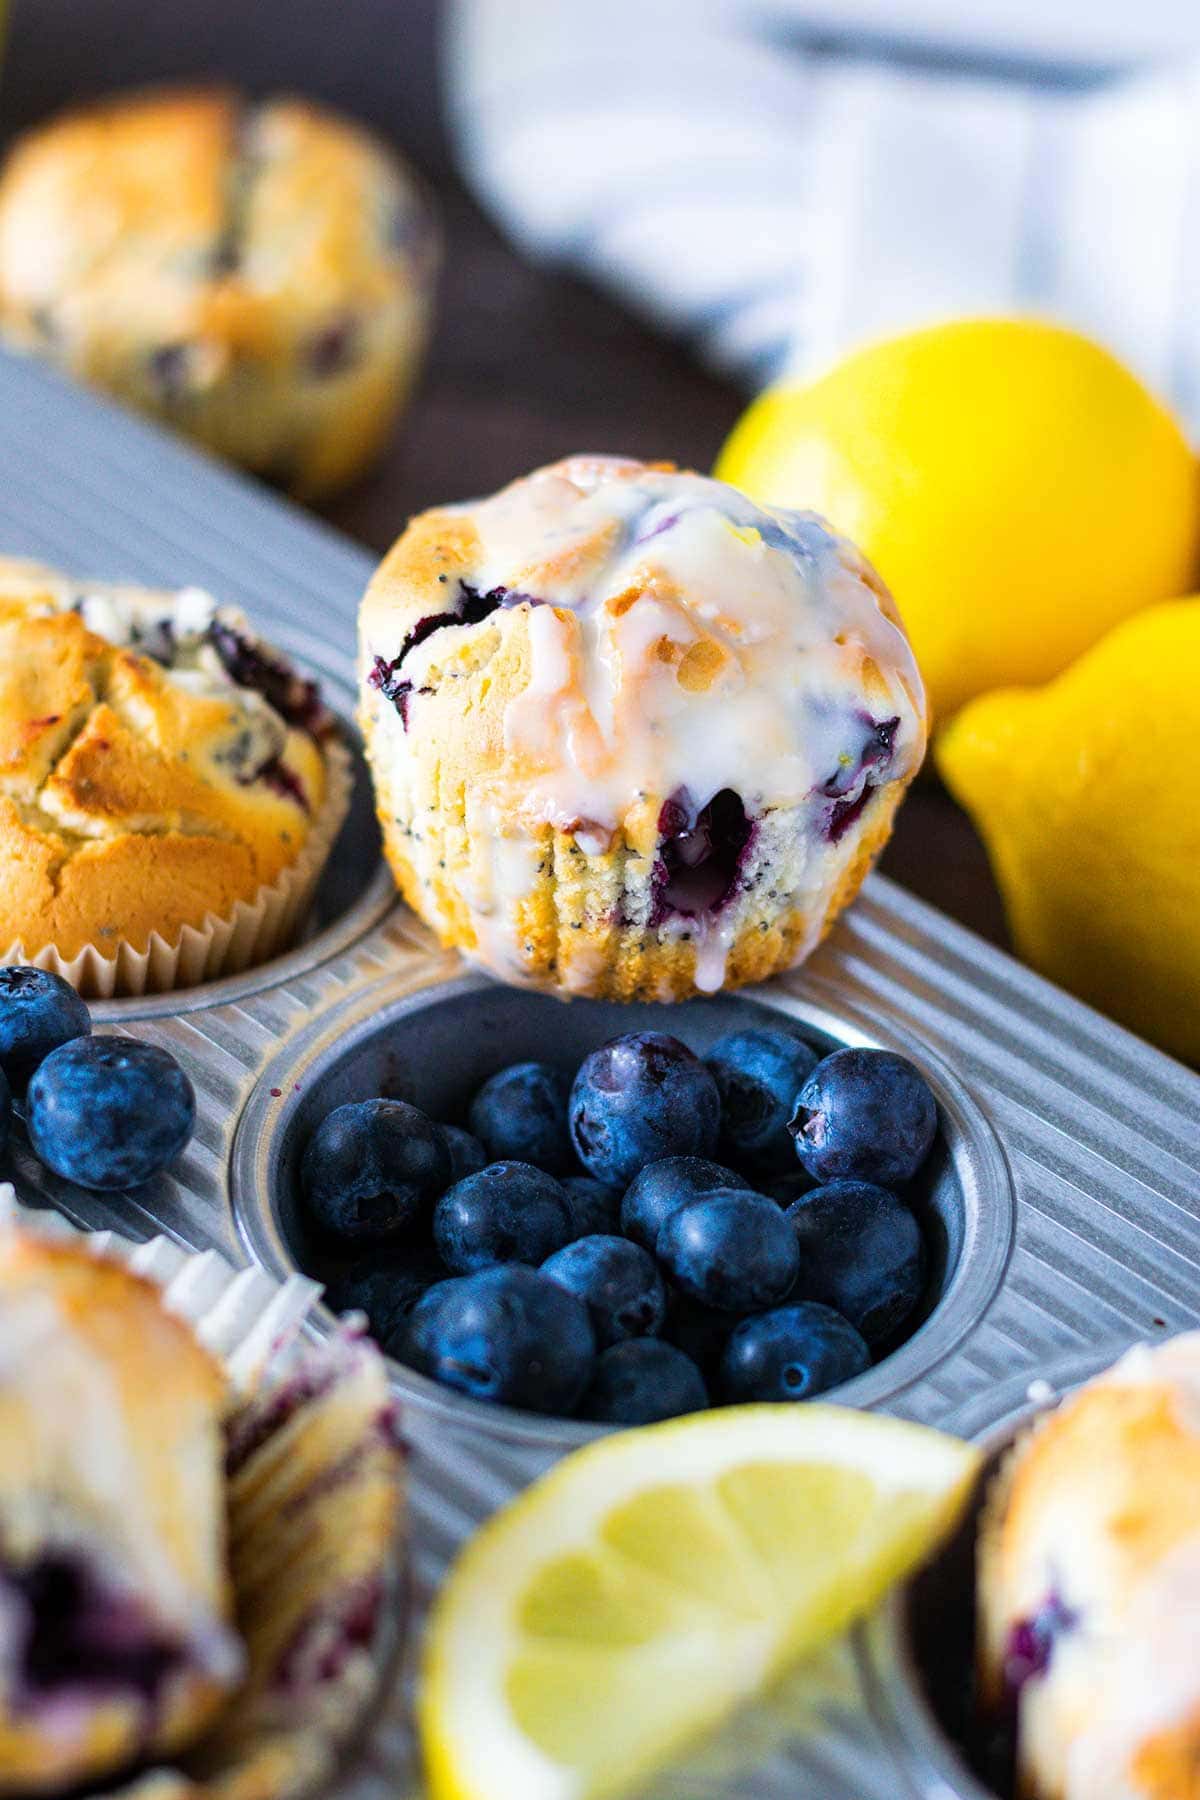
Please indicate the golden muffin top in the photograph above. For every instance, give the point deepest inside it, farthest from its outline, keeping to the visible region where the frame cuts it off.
(150, 746)
(205, 228)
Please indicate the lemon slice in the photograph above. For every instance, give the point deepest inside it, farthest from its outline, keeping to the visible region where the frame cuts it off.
(629, 1601)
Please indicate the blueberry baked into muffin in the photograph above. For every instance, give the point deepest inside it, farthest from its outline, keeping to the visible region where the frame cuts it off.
(1089, 1587)
(116, 1609)
(169, 785)
(195, 1580)
(633, 736)
(258, 276)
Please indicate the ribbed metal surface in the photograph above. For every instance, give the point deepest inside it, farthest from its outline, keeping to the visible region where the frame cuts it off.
(1102, 1134)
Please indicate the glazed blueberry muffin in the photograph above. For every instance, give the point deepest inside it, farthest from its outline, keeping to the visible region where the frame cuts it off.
(116, 1610)
(632, 735)
(1089, 1587)
(256, 275)
(159, 767)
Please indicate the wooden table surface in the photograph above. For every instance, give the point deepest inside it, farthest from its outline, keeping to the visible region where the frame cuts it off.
(527, 364)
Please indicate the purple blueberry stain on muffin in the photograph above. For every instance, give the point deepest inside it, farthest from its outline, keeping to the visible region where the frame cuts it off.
(851, 787)
(471, 607)
(250, 664)
(333, 349)
(701, 854)
(1033, 1641)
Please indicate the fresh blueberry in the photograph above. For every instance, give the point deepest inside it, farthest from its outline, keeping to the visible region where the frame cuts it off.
(38, 1012)
(520, 1115)
(509, 1212)
(697, 1330)
(595, 1208)
(866, 1115)
(467, 1154)
(619, 1283)
(731, 1250)
(509, 1335)
(791, 1353)
(5, 1112)
(758, 1075)
(640, 1098)
(371, 1169)
(387, 1289)
(641, 1381)
(109, 1112)
(662, 1187)
(861, 1252)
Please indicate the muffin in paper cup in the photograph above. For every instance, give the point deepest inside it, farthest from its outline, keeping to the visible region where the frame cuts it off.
(170, 787)
(314, 1470)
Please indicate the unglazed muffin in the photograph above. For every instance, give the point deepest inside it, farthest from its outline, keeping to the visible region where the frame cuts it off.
(1089, 1587)
(159, 766)
(632, 735)
(116, 1610)
(257, 275)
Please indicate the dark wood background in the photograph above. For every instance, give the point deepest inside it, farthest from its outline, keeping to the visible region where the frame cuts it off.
(527, 363)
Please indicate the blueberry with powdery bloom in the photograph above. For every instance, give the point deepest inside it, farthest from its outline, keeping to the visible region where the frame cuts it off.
(759, 1073)
(790, 1353)
(862, 1253)
(662, 1187)
(508, 1335)
(730, 1250)
(109, 1113)
(520, 1114)
(641, 1382)
(864, 1115)
(617, 1281)
(637, 1099)
(371, 1169)
(38, 1012)
(509, 1212)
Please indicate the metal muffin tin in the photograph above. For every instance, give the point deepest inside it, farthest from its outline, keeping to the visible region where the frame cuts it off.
(1064, 1202)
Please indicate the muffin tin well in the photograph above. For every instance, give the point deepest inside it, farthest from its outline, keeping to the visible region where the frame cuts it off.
(1066, 1193)
(436, 1046)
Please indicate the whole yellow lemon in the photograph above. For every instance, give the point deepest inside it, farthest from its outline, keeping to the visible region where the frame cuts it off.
(1085, 793)
(1018, 489)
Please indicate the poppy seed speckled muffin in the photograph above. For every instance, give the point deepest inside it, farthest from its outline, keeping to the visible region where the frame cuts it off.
(1089, 1587)
(633, 736)
(257, 275)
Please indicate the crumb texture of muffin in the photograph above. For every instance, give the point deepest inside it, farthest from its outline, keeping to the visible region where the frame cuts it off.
(632, 735)
(116, 1610)
(1089, 1587)
(158, 764)
(257, 275)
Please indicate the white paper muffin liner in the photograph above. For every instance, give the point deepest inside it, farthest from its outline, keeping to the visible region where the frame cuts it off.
(254, 1325)
(252, 932)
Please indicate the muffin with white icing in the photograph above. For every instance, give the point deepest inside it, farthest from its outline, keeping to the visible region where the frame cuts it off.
(1089, 1587)
(632, 735)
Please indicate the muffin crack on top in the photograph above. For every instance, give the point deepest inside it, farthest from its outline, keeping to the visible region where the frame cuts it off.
(157, 762)
(632, 735)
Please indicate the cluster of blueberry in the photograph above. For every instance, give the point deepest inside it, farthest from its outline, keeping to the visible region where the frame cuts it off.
(579, 1252)
(106, 1112)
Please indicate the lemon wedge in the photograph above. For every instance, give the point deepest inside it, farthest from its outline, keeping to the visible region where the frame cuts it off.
(627, 1603)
